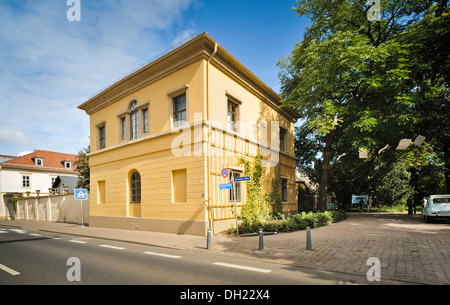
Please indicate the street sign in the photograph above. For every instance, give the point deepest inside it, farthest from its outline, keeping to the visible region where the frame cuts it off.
(356, 199)
(224, 172)
(226, 186)
(81, 194)
(237, 179)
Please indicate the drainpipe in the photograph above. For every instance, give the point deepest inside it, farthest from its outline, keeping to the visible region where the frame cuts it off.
(209, 137)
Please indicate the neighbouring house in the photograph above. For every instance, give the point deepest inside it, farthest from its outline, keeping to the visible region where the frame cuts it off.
(32, 174)
(61, 181)
(4, 158)
(161, 136)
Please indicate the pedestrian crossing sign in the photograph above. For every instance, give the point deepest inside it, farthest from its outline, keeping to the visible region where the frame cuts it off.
(81, 194)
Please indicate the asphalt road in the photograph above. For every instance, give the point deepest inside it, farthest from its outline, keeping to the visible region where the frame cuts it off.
(34, 257)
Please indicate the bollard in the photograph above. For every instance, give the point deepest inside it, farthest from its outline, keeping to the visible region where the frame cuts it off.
(208, 240)
(308, 239)
(261, 241)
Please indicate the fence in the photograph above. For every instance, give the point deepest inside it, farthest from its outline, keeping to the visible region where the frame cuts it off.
(52, 208)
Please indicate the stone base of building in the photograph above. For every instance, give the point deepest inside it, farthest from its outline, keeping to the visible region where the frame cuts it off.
(189, 227)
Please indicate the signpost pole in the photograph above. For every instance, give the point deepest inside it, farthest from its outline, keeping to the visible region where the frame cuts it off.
(235, 208)
(82, 223)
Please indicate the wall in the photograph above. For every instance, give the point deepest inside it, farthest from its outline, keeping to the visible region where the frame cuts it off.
(58, 208)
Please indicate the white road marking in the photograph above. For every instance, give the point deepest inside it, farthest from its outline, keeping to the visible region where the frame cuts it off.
(77, 241)
(112, 247)
(162, 254)
(9, 270)
(34, 234)
(243, 267)
(3, 232)
(18, 231)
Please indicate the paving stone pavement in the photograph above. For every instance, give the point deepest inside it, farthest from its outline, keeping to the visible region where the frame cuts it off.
(408, 249)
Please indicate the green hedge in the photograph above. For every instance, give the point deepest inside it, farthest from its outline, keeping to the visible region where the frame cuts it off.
(294, 223)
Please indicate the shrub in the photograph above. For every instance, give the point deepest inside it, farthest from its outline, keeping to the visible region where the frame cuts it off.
(294, 223)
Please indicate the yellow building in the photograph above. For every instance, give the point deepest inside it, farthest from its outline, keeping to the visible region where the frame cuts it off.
(161, 136)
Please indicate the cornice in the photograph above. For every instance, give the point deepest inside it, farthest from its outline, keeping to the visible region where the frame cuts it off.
(198, 48)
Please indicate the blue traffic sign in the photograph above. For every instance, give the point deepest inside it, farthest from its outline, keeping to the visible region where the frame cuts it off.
(81, 194)
(226, 186)
(241, 179)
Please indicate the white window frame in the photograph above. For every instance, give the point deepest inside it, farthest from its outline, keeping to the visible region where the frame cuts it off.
(146, 120)
(171, 94)
(26, 181)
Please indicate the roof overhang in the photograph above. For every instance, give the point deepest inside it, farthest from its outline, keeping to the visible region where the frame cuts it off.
(200, 47)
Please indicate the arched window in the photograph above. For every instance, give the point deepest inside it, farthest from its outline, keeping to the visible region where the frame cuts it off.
(134, 119)
(135, 187)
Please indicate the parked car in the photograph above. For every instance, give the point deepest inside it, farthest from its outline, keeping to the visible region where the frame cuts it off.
(436, 207)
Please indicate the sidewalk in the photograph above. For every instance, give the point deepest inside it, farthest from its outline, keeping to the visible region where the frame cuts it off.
(408, 249)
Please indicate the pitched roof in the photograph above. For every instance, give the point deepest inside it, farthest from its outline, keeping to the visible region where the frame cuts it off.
(53, 161)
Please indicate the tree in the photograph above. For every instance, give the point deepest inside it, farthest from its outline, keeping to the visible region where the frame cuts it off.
(83, 168)
(349, 77)
(430, 79)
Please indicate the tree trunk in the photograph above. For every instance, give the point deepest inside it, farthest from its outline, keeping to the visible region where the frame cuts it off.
(325, 169)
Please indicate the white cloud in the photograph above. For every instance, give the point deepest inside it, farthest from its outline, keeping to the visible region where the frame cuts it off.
(50, 65)
(12, 137)
(23, 153)
(186, 34)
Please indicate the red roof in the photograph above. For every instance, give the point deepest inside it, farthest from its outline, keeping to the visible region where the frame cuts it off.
(53, 161)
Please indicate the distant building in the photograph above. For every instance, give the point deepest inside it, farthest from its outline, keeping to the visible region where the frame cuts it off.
(33, 173)
(4, 158)
(62, 181)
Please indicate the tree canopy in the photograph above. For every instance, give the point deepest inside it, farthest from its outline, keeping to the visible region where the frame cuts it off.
(361, 83)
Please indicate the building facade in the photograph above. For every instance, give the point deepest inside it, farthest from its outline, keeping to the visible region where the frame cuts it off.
(161, 136)
(32, 174)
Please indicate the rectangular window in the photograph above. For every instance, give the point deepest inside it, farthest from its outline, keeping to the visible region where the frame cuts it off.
(179, 188)
(282, 139)
(123, 128)
(39, 161)
(232, 115)
(284, 189)
(102, 137)
(238, 187)
(179, 110)
(134, 125)
(67, 164)
(26, 181)
(145, 115)
(101, 192)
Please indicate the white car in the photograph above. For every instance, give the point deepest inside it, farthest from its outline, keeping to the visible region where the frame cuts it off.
(436, 207)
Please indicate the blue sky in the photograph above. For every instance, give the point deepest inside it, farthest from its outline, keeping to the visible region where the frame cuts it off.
(49, 65)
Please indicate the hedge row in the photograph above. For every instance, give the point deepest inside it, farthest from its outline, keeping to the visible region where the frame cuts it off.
(294, 223)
